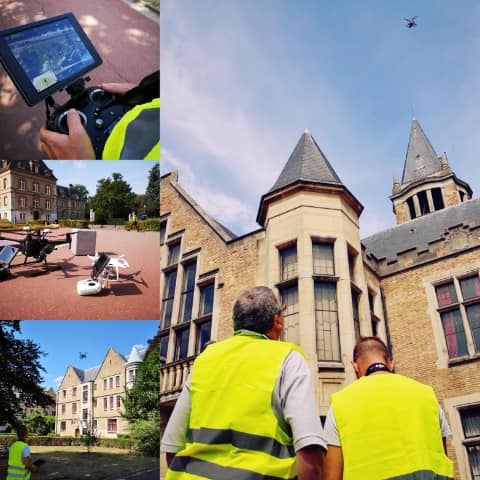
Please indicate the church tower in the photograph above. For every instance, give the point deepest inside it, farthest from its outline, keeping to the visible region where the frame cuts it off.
(428, 184)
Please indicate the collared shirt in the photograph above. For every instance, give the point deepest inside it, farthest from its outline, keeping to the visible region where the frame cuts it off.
(293, 403)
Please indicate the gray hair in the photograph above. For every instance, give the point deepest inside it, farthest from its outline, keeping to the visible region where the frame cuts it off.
(254, 310)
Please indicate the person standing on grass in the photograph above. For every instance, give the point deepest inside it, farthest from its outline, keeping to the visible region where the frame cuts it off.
(20, 466)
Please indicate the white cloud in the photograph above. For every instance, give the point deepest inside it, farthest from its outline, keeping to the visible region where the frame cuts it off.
(58, 381)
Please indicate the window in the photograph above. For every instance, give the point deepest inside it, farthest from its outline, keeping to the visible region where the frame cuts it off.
(203, 335)
(5, 201)
(74, 408)
(289, 297)
(112, 399)
(411, 208)
(94, 403)
(63, 426)
(48, 189)
(181, 345)
(22, 202)
(163, 231)
(117, 380)
(189, 271)
(110, 382)
(471, 431)
(173, 253)
(373, 318)
(4, 183)
(356, 316)
(437, 199)
(459, 309)
(118, 402)
(422, 200)
(326, 320)
(351, 265)
(85, 393)
(206, 300)
(95, 425)
(163, 346)
(85, 414)
(167, 301)
(63, 408)
(48, 204)
(36, 187)
(36, 203)
(288, 262)
(21, 184)
(112, 425)
(105, 404)
(323, 263)
(131, 375)
(105, 384)
(74, 391)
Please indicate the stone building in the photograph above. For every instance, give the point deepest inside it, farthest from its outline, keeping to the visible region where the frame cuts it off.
(29, 191)
(415, 285)
(92, 399)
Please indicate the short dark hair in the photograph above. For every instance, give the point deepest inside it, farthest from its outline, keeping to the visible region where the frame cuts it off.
(22, 431)
(254, 310)
(370, 345)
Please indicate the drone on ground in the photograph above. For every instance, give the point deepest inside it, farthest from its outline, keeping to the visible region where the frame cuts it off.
(410, 22)
(35, 244)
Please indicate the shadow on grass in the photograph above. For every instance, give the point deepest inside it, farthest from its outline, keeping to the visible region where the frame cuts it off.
(61, 464)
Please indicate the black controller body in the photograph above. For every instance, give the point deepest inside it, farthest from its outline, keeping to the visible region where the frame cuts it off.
(99, 112)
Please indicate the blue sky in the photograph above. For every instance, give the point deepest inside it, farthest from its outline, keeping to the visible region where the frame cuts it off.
(241, 81)
(88, 172)
(62, 340)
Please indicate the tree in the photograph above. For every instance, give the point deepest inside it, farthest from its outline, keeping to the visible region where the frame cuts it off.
(82, 190)
(20, 373)
(38, 423)
(114, 198)
(152, 194)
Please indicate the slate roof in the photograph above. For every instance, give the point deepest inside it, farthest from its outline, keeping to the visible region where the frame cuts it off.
(136, 356)
(87, 375)
(27, 165)
(308, 163)
(418, 233)
(421, 161)
(69, 192)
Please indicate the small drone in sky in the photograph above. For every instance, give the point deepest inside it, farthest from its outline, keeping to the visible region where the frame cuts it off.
(82, 355)
(410, 22)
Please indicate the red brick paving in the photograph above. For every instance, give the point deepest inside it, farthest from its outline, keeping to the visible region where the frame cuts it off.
(53, 295)
(127, 41)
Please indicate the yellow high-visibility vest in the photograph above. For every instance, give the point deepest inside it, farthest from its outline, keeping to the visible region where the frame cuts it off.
(389, 427)
(16, 468)
(137, 135)
(233, 431)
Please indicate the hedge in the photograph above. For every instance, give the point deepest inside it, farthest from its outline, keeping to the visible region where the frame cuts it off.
(148, 225)
(74, 223)
(50, 440)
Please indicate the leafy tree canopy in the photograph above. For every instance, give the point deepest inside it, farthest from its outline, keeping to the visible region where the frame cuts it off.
(20, 373)
(114, 198)
(152, 194)
(82, 190)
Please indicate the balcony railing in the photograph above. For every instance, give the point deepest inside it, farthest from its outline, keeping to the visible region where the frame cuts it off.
(172, 377)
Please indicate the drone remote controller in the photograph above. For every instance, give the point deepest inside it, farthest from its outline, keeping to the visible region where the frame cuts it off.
(99, 112)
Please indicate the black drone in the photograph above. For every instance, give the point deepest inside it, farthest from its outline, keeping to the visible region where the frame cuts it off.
(410, 22)
(35, 245)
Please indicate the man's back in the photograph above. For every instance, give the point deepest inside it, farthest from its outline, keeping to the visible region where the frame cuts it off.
(389, 426)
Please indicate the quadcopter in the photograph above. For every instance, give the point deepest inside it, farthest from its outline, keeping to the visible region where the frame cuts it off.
(410, 22)
(34, 245)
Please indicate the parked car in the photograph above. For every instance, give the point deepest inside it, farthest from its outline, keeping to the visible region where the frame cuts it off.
(143, 216)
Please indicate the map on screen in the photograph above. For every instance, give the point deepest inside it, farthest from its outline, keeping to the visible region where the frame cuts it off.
(49, 53)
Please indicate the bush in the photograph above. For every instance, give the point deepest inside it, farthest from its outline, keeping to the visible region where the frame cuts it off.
(146, 435)
(74, 223)
(148, 225)
(115, 443)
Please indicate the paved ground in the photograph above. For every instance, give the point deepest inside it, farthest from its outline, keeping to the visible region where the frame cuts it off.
(53, 295)
(127, 40)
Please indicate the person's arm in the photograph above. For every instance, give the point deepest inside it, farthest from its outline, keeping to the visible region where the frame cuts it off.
(29, 465)
(310, 462)
(333, 464)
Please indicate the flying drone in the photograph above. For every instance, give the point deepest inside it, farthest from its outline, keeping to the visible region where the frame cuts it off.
(35, 245)
(410, 22)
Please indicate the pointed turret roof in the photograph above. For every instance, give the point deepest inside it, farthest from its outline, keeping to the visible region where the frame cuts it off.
(308, 163)
(136, 356)
(421, 160)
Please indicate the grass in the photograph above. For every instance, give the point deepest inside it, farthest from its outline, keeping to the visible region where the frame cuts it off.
(74, 463)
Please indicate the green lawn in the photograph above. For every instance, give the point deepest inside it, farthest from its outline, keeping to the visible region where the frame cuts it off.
(74, 463)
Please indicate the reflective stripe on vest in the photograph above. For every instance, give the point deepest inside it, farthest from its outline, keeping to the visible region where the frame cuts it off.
(389, 428)
(137, 135)
(16, 468)
(234, 433)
